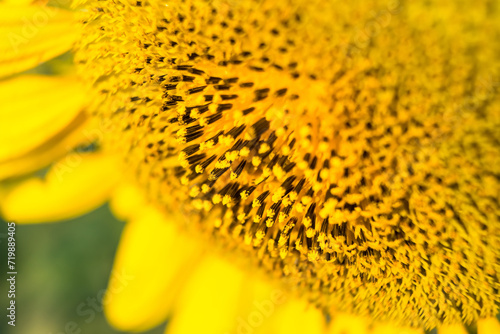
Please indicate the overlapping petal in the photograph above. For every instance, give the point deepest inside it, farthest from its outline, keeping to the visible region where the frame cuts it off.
(209, 300)
(36, 109)
(32, 34)
(73, 186)
(157, 259)
(43, 155)
(127, 202)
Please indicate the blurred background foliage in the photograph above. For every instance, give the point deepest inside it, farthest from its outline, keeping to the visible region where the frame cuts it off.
(59, 266)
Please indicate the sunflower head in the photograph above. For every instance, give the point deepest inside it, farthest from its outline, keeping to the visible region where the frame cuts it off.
(351, 150)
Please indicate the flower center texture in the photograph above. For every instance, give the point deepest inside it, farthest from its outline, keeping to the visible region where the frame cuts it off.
(350, 149)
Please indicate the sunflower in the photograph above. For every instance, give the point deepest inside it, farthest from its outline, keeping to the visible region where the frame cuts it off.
(347, 153)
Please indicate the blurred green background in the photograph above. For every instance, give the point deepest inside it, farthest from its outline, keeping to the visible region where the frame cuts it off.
(59, 266)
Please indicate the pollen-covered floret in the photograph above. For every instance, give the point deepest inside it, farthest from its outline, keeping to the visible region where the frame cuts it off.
(350, 149)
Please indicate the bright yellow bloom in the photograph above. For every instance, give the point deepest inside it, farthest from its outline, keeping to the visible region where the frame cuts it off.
(348, 152)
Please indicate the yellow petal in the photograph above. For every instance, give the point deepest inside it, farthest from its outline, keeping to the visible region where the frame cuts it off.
(209, 301)
(26, 2)
(344, 323)
(295, 317)
(72, 136)
(32, 35)
(452, 329)
(391, 329)
(75, 185)
(127, 201)
(488, 326)
(259, 305)
(157, 258)
(36, 109)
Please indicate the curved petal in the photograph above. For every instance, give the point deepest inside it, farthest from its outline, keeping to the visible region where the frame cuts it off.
(156, 257)
(209, 301)
(32, 35)
(127, 201)
(74, 185)
(36, 109)
(71, 137)
(488, 326)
